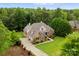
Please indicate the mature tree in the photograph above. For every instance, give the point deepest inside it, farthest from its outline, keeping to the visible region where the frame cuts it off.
(76, 13)
(60, 13)
(70, 15)
(61, 26)
(71, 47)
(18, 18)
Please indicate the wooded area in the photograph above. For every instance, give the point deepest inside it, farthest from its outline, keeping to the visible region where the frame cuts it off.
(18, 18)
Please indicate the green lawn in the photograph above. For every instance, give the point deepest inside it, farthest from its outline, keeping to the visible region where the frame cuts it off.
(52, 48)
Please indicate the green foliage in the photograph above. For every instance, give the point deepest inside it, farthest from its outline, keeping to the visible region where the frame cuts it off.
(76, 13)
(7, 38)
(61, 26)
(71, 17)
(14, 37)
(60, 13)
(71, 47)
(4, 37)
(17, 18)
(73, 35)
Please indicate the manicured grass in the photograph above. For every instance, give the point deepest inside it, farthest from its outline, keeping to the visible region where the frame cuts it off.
(53, 48)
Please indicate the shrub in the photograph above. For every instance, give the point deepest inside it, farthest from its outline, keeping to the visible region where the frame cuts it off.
(15, 38)
(4, 37)
(71, 47)
(7, 38)
(61, 26)
(73, 35)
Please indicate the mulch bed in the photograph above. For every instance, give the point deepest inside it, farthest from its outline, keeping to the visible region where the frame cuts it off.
(16, 51)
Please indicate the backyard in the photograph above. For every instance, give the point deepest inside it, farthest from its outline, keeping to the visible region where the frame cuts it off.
(52, 48)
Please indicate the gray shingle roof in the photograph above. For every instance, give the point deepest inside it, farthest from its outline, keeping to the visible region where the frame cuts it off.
(34, 29)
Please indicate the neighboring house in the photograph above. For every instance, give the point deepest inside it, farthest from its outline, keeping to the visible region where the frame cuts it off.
(38, 32)
(74, 24)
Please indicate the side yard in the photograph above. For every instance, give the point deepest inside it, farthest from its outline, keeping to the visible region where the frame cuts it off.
(53, 48)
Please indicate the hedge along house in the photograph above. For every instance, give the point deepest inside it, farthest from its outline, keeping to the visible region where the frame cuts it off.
(38, 32)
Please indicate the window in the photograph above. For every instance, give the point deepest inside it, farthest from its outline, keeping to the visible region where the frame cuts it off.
(45, 33)
(42, 28)
(29, 39)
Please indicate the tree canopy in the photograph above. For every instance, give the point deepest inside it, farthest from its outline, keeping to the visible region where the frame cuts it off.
(18, 18)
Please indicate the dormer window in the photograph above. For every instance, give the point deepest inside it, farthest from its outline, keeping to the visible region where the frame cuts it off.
(42, 28)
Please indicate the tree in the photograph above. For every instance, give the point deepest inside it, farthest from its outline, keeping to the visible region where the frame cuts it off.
(17, 18)
(7, 38)
(71, 16)
(4, 37)
(76, 13)
(71, 47)
(61, 26)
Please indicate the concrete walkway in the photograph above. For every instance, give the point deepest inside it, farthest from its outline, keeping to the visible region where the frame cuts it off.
(30, 47)
(45, 42)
